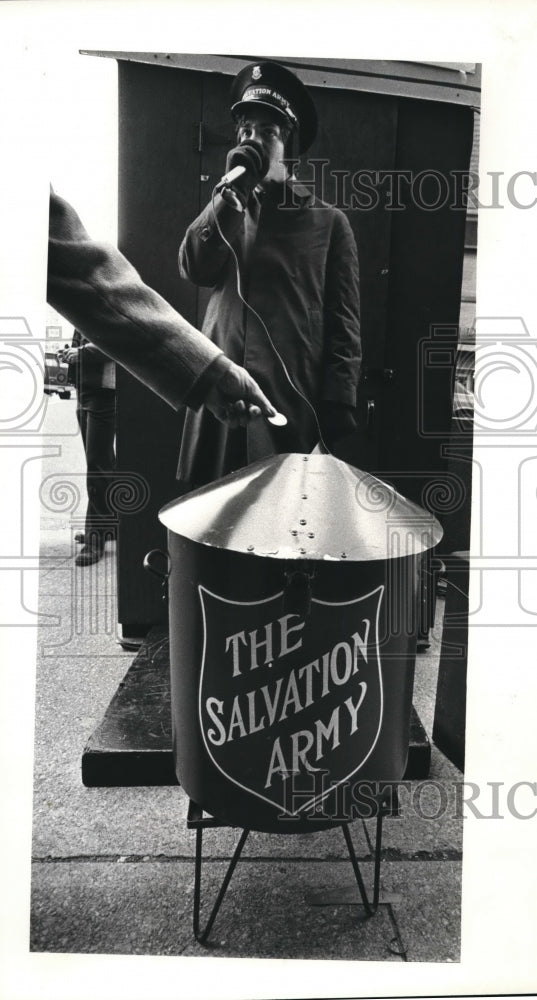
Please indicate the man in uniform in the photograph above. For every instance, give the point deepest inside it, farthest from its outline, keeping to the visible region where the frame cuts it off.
(298, 271)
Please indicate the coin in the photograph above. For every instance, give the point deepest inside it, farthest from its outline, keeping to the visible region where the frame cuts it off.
(278, 420)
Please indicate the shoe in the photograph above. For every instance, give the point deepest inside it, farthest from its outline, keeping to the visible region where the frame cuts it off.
(81, 538)
(89, 554)
(110, 535)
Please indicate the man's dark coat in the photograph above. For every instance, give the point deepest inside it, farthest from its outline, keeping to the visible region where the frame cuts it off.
(299, 272)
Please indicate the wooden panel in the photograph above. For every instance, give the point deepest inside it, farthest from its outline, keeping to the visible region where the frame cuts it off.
(218, 137)
(427, 252)
(458, 83)
(158, 184)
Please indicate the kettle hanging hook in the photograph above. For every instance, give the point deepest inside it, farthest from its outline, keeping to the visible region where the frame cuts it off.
(163, 577)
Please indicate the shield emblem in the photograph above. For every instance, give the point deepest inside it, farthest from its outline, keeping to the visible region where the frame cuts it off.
(290, 708)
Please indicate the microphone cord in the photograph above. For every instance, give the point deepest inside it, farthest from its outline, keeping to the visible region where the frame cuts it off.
(264, 327)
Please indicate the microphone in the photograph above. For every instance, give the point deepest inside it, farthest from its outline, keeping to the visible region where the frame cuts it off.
(232, 175)
(248, 157)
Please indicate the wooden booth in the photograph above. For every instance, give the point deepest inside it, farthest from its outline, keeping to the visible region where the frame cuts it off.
(396, 139)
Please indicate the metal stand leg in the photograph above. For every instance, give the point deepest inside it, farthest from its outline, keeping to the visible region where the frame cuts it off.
(370, 908)
(196, 820)
(202, 935)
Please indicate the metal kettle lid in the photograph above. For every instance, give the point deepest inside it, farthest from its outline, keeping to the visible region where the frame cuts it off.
(303, 507)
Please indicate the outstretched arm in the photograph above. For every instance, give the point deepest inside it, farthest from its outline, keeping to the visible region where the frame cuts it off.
(100, 293)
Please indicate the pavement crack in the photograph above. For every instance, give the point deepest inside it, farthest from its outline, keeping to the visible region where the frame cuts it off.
(389, 854)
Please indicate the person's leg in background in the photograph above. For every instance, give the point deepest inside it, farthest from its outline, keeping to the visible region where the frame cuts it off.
(82, 418)
(96, 412)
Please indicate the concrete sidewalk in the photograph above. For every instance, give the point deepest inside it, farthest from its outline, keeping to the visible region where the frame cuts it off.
(113, 869)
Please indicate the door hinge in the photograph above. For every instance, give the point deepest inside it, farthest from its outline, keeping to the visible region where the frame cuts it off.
(198, 136)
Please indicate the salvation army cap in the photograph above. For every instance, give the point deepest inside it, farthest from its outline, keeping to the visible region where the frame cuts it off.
(274, 86)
